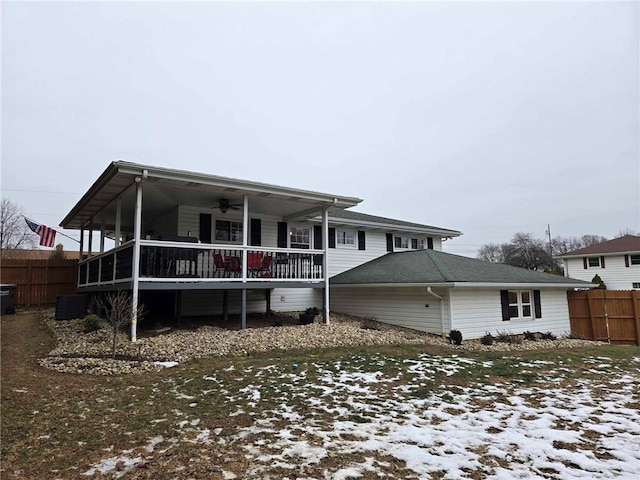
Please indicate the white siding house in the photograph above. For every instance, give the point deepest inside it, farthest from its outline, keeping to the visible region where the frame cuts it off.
(190, 243)
(438, 292)
(616, 262)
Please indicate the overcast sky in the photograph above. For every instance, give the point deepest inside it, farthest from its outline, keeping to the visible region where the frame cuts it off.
(485, 117)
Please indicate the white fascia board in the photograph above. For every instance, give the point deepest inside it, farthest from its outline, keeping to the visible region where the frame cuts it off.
(391, 227)
(388, 285)
(502, 286)
(520, 286)
(610, 254)
(240, 185)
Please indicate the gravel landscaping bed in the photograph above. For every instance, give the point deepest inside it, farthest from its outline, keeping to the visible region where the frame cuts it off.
(79, 352)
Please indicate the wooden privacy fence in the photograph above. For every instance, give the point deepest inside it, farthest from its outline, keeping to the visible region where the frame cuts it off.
(606, 315)
(39, 281)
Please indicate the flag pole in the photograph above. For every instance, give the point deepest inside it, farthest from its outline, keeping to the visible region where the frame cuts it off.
(58, 232)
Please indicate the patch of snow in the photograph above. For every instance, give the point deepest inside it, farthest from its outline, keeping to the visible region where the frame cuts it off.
(166, 364)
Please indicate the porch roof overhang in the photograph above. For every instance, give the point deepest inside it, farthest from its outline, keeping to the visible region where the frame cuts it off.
(165, 188)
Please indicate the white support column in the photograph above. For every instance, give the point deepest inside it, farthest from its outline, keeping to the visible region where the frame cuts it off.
(325, 261)
(245, 243)
(118, 233)
(137, 228)
(102, 232)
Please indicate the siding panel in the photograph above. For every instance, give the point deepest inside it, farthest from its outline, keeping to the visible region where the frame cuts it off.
(478, 311)
(405, 307)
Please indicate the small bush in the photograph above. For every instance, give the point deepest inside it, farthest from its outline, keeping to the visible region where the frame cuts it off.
(91, 323)
(312, 311)
(370, 323)
(508, 337)
(487, 339)
(548, 336)
(532, 337)
(455, 337)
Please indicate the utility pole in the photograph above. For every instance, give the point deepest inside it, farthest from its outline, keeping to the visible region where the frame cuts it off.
(548, 232)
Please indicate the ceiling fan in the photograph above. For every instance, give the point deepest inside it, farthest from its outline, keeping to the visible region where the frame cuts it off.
(224, 205)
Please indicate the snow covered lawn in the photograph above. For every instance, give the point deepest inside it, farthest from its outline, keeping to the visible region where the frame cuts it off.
(381, 417)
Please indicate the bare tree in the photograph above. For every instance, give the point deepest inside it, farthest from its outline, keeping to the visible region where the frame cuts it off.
(14, 232)
(590, 240)
(522, 251)
(492, 252)
(626, 231)
(562, 245)
(118, 309)
(528, 252)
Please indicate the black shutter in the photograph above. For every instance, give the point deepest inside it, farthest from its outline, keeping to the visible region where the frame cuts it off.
(626, 260)
(283, 231)
(205, 228)
(361, 240)
(430, 243)
(389, 242)
(602, 262)
(504, 300)
(332, 238)
(414, 243)
(317, 237)
(584, 263)
(256, 232)
(537, 305)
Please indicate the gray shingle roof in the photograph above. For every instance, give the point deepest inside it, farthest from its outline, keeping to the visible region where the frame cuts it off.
(364, 217)
(432, 266)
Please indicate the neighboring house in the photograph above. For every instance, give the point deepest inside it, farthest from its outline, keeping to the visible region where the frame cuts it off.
(199, 244)
(616, 261)
(438, 292)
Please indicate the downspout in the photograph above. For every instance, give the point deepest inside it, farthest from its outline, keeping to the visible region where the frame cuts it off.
(442, 326)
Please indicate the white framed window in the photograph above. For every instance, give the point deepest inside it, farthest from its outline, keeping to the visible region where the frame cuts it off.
(422, 244)
(635, 285)
(593, 262)
(634, 259)
(345, 238)
(228, 231)
(300, 237)
(401, 242)
(520, 304)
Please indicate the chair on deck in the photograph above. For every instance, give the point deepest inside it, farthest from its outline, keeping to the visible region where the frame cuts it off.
(265, 267)
(254, 261)
(218, 261)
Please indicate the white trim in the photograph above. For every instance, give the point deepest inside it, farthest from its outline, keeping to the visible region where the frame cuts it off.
(500, 286)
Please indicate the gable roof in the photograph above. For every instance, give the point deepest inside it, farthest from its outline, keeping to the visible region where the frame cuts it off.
(349, 217)
(423, 267)
(625, 244)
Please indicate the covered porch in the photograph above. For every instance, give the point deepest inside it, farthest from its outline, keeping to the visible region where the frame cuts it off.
(163, 229)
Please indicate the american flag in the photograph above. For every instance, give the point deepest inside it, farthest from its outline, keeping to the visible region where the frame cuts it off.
(47, 235)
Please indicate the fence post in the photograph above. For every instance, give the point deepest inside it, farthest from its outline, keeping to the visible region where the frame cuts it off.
(635, 301)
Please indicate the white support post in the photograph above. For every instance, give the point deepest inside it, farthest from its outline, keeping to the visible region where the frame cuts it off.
(118, 233)
(137, 228)
(102, 232)
(325, 261)
(245, 243)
